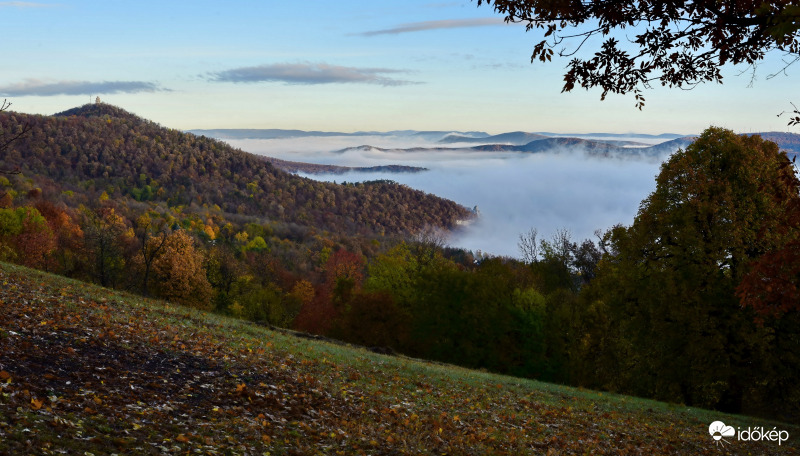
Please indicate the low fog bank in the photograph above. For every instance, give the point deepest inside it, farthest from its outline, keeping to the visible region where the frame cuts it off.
(547, 192)
(514, 192)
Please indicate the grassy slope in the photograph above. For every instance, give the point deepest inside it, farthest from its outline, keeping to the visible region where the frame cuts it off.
(85, 369)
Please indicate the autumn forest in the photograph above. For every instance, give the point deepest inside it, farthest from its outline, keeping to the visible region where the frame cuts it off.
(696, 302)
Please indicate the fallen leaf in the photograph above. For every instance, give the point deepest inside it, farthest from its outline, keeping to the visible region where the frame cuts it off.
(36, 404)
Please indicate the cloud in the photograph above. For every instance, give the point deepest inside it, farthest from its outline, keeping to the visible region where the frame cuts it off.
(309, 73)
(36, 87)
(435, 25)
(25, 5)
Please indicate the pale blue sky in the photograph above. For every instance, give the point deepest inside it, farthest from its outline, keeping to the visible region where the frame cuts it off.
(344, 65)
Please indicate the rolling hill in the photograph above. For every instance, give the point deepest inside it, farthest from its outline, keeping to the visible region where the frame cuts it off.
(100, 148)
(86, 370)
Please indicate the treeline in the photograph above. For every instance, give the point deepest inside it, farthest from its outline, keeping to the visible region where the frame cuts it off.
(100, 149)
(493, 313)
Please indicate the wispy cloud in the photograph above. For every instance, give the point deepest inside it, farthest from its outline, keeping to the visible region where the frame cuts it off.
(26, 5)
(35, 87)
(310, 73)
(435, 25)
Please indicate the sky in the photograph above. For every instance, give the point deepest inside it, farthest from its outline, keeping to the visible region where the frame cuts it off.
(338, 66)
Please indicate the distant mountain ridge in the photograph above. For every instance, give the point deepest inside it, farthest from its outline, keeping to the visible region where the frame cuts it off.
(788, 142)
(273, 133)
(442, 136)
(619, 145)
(551, 145)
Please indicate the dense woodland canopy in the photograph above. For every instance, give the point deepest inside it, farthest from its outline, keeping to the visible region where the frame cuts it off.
(100, 148)
(694, 303)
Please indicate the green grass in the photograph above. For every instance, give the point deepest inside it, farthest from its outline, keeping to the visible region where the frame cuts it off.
(89, 370)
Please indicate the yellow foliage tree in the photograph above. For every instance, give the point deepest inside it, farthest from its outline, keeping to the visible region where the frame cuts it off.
(179, 272)
(303, 291)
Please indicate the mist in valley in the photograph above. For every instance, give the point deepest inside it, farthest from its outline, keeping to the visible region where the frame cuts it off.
(512, 191)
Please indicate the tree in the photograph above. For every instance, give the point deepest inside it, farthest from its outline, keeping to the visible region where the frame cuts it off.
(584, 259)
(25, 236)
(528, 246)
(152, 238)
(105, 235)
(772, 286)
(676, 43)
(223, 271)
(343, 276)
(68, 253)
(669, 288)
(179, 273)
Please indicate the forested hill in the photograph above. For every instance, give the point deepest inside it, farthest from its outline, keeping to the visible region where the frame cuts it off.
(100, 148)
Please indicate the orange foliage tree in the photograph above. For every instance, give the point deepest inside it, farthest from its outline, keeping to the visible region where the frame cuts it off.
(68, 235)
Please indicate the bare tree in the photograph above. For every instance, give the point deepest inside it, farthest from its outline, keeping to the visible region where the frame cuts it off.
(528, 246)
(427, 242)
(560, 247)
